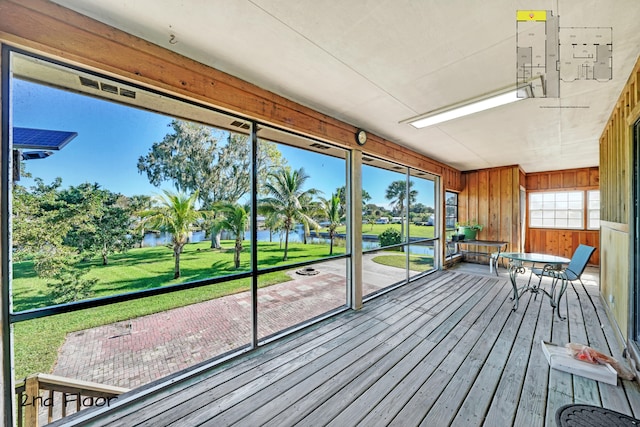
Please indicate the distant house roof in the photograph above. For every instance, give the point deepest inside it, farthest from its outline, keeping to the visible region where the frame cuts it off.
(39, 139)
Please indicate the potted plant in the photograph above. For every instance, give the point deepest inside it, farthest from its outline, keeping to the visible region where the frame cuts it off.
(468, 229)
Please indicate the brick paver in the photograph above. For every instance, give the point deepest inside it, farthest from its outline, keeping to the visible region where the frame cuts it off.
(138, 351)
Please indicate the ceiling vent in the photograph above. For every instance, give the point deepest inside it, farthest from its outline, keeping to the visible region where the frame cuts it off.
(319, 146)
(240, 124)
(127, 93)
(109, 88)
(398, 168)
(89, 83)
(367, 159)
(105, 87)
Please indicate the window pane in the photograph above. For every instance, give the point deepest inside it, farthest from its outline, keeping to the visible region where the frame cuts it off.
(575, 223)
(302, 200)
(385, 182)
(309, 292)
(562, 209)
(536, 222)
(421, 206)
(133, 212)
(593, 198)
(421, 258)
(535, 197)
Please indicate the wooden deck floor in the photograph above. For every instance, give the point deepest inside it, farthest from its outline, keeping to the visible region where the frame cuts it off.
(447, 350)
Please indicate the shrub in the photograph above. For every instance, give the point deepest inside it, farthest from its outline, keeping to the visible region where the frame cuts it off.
(389, 237)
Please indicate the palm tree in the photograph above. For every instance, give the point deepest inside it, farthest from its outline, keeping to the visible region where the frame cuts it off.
(285, 189)
(331, 209)
(397, 193)
(310, 208)
(235, 221)
(177, 214)
(273, 222)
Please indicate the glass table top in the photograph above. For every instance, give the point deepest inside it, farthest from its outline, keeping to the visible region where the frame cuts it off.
(534, 257)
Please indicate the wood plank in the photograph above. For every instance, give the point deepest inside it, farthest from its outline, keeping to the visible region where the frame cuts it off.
(585, 390)
(560, 383)
(444, 351)
(475, 406)
(360, 377)
(533, 397)
(505, 399)
(448, 403)
(613, 397)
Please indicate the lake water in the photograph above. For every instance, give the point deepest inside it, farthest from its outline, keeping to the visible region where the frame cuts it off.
(295, 236)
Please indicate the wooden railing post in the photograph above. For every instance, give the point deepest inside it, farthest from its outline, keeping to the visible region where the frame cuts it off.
(31, 401)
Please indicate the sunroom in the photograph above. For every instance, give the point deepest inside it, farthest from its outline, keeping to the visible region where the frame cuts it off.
(190, 187)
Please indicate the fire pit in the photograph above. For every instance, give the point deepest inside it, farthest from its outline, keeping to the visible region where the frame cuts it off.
(307, 271)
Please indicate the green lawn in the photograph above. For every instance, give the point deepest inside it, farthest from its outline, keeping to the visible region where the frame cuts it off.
(37, 341)
(416, 262)
(146, 268)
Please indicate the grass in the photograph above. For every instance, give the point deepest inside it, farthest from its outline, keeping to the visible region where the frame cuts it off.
(37, 341)
(416, 262)
(147, 268)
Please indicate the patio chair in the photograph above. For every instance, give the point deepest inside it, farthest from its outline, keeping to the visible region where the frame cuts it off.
(573, 271)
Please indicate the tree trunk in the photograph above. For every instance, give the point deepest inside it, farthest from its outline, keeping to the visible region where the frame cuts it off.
(286, 243)
(330, 243)
(176, 256)
(236, 257)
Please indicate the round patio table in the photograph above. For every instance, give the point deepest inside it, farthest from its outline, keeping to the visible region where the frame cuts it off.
(552, 268)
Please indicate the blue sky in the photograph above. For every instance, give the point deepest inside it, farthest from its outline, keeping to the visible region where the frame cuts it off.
(111, 138)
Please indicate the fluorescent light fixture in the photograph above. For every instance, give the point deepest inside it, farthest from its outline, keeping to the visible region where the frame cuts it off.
(470, 107)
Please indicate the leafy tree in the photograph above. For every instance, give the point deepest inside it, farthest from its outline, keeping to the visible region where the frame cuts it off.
(139, 203)
(212, 163)
(107, 225)
(177, 214)
(331, 209)
(285, 189)
(235, 221)
(371, 220)
(71, 286)
(40, 219)
(42, 222)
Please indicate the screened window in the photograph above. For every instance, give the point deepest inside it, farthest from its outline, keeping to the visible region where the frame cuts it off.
(451, 210)
(564, 209)
(593, 209)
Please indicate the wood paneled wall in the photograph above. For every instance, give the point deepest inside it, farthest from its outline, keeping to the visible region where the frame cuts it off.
(491, 197)
(568, 179)
(50, 29)
(616, 151)
(617, 284)
(563, 242)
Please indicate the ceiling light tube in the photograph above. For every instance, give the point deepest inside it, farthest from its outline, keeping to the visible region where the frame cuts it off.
(457, 111)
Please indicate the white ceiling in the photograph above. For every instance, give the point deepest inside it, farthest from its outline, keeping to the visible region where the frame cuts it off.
(374, 63)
